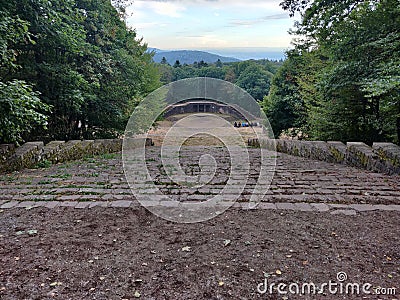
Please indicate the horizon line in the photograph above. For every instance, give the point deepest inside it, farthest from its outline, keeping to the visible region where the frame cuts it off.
(211, 48)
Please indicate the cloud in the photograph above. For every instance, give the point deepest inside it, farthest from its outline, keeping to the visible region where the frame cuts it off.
(206, 40)
(221, 4)
(252, 4)
(259, 20)
(145, 25)
(172, 9)
(194, 24)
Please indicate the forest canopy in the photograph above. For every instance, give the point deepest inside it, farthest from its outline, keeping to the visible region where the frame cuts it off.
(342, 79)
(254, 76)
(72, 69)
(69, 69)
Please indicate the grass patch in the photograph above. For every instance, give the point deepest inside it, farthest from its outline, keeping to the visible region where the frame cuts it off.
(45, 182)
(90, 160)
(8, 177)
(42, 193)
(76, 186)
(65, 165)
(91, 193)
(44, 164)
(109, 156)
(62, 176)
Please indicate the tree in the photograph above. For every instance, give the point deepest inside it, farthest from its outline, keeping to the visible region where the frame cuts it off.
(212, 72)
(256, 81)
(218, 64)
(177, 64)
(86, 64)
(164, 61)
(284, 105)
(21, 110)
(226, 72)
(202, 64)
(166, 73)
(230, 75)
(351, 86)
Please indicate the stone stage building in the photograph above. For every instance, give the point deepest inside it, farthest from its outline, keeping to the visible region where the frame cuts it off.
(202, 106)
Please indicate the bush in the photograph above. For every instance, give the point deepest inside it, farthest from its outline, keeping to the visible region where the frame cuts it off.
(20, 111)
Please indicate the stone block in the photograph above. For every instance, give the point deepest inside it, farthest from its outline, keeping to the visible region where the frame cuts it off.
(346, 212)
(6, 150)
(321, 151)
(75, 149)
(68, 204)
(321, 207)
(104, 146)
(67, 150)
(289, 147)
(313, 150)
(389, 155)
(338, 151)
(10, 204)
(121, 203)
(269, 144)
(281, 146)
(51, 150)
(81, 205)
(363, 207)
(25, 156)
(360, 155)
(135, 143)
(286, 206)
(303, 206)
(98, 204)
(266, 205)
(253, 143)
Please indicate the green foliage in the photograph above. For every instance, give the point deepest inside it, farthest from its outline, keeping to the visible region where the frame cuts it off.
(82, 59)
(144, 115)
(109, 156)
(284, 105)
(348, 77)
(12, 31)
(254, 76)
(20, 111)
(255, 80)
(177, 64)
(44, 164)
(166, 73)
(164, 61)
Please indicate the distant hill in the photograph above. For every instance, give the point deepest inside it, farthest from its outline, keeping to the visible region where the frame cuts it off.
(189, 56)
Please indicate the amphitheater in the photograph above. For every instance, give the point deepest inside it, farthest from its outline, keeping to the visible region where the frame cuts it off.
(310, 176)
(72, 226)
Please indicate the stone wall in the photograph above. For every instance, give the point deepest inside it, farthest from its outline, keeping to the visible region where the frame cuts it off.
(32, 154)
(381, 157)
(6, 150)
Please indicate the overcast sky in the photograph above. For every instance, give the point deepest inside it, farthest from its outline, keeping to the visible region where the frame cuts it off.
(208, 24)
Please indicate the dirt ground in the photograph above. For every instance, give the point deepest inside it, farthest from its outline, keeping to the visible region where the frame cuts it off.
(129, 253)
(158, 133)
(106, 253)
